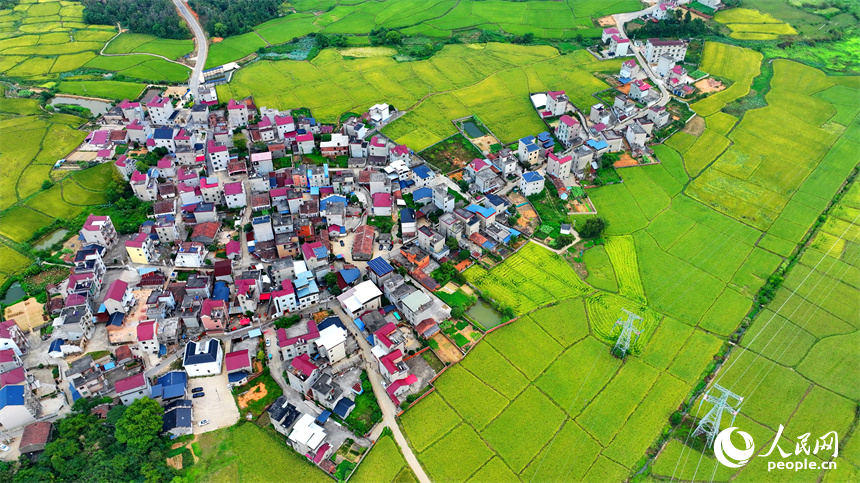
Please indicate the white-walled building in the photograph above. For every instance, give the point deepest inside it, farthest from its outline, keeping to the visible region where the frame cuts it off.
(531, 183)
(203, 358)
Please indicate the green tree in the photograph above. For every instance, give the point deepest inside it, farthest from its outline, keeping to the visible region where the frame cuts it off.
(452, 243)
(140, 425)
(331, 282)
(240, 143)
(47, 184)
(219, 29)
(394, 37)
(592, 228)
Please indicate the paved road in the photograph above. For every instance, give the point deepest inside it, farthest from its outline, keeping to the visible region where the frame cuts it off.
(202, 47)
(389, 410)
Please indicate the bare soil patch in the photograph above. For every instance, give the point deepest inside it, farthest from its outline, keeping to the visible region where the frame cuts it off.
(709, 85)
(624, 161)
(695, 127)
(447, 351)
(254, 394)
(607, 21)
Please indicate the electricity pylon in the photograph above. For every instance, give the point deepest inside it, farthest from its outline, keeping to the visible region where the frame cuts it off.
(710, 424)
(628, 328)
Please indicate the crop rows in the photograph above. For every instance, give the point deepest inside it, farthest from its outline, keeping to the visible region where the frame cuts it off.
(622, 254)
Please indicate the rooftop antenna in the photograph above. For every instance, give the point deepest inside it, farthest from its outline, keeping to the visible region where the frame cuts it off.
(628, 329)
(710, 424)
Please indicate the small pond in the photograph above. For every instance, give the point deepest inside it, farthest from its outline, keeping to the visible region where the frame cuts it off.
(14, 294)
(472, 129)
(54, 237)
(484, 314)
(96, 107)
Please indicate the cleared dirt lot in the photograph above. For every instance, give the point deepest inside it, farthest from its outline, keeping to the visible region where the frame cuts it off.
(218, 405)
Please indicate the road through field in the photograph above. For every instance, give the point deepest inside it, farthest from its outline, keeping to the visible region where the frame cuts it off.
(202, 46)
(389, 410)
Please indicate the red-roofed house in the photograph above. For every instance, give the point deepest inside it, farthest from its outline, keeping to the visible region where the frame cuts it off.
(382, 204)
(238, 114)
(638, 89)
(389, 337)
(378, 147)
(160, 110)
(400, 153)
(391, 365)
(629, 69)
(146, 336)
(238, 361)
(400, 386)
(427, 327)
(305, 143)
(131, 110)
(140, 249)
(568, 130)
(35, 437)
(284, 299)
(118, 298)
(233, 249)
(619, 45)
(284, 125)
(234, 193)
(292, 347)
(11, 336)
(607, 33)
(132, 388)
(99, 230)
(125, 166)
(556, 102)
(213, 315)
(302, 373)
(123, 354)
(476, 166)
(218, 154)
(166, 167)
(558, 166)
(14, 377)
(138, 132)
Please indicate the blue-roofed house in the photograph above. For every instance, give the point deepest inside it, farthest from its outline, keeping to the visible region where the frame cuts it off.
(528, 151)
(163, 137)
(422, 196)
(407, 223)
(545, 142)
(485, 215)
(423, 176)
(347, 276)
(531, 183)
(379, 270)
(597, 145)
(221, 291)
(496, 202)
(18, 405)
(177, 418)
(171, 386)
(343, 407)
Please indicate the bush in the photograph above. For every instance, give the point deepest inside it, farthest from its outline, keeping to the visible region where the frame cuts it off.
(433, 344)
(592, 228)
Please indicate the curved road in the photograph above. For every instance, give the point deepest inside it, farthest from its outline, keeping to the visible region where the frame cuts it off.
(202, 46)
(389, 410)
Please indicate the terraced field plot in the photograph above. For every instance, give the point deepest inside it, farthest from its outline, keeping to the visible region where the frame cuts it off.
(747, 24)
(434, 19)
(41, 40)
(29, 146)
(491, 81)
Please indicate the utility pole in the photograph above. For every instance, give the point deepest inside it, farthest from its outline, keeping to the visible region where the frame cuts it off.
(710, 424)
(628, 329)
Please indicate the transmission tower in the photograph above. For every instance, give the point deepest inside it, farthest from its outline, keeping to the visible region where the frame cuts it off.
(710, 424)
(628, 329)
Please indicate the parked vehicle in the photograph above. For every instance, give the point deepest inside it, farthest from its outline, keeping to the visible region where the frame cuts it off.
(197, 389)
(341, 243)
(199, 394)
(4, 448)
(203, 423)
(268, 342)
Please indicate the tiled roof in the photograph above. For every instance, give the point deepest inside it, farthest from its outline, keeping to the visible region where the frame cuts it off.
(304, 364)
(129, 383)
(146, 330)
(238, 360)
(117, 290)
